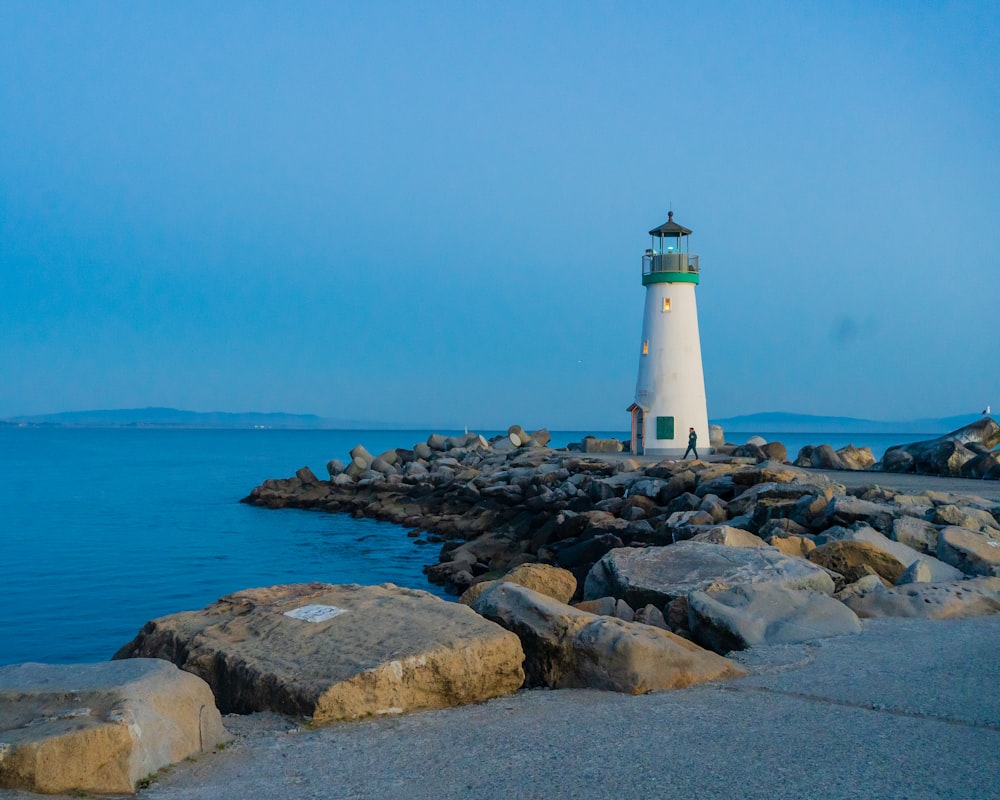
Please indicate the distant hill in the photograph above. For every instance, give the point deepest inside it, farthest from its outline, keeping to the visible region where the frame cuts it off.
(176, 418)
(781, 422)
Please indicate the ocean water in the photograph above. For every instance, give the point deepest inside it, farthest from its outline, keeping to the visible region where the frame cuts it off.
(104, 529)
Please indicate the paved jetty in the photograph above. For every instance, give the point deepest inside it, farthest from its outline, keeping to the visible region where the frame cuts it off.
(906, 709)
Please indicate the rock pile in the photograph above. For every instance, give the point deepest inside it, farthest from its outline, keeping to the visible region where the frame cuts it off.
(693, 546)
(967, 452)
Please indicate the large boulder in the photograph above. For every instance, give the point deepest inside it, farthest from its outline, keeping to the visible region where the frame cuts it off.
(749, 616)
(568, 648)
(945, 455)
(973, 553)
(853, 560)
(916, 533)
(969, 598)
(659, 575)
(100, 727)
(819, 457)
(336, 652)
(938, 570)
(856, 458)
(553, 582)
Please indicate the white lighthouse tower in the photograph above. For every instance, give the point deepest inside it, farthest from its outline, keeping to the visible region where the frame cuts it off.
(670, 391)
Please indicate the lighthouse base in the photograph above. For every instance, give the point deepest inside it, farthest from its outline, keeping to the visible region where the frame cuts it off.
(674, 452)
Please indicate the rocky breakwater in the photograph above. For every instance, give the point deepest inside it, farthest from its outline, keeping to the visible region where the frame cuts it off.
(728, 553)
(968, 452)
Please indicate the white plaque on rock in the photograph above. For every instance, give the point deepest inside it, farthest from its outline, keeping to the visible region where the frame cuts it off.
(315, 613)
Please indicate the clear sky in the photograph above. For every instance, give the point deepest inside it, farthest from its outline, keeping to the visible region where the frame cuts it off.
(434, 213)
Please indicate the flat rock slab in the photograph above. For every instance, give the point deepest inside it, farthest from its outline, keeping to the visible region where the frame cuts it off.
(751, 616)
(658, 575)
(970, 598)
(337, 652)
(566, 648)
(973, 553)
(100, 727)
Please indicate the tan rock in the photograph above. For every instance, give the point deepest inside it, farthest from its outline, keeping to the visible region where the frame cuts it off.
(749, 616)
(730, 536)
(856, 458)
(793, 545)
(973, 553)
(553, 582)
(855, 559)
(100, 727)
(608, 607)
(568, 648)
(337, 652)
(969, 598)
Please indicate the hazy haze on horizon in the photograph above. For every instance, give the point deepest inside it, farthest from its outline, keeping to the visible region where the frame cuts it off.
(433, 214)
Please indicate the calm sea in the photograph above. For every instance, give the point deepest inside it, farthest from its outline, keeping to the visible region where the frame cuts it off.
(104, 529)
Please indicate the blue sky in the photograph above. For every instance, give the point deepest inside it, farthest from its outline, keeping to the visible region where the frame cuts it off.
(433, 213)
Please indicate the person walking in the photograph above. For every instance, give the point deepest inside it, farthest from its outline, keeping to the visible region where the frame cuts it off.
(692, 443)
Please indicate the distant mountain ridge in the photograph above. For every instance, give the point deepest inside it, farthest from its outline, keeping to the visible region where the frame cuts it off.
(783, 422)
(156, 417)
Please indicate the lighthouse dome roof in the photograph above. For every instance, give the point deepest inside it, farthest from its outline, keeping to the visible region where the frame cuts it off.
(670, 228)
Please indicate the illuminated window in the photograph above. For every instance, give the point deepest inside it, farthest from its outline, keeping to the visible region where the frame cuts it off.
(666, 303)
(645, 348)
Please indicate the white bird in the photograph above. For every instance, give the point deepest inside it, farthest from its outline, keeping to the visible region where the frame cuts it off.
(986, 410)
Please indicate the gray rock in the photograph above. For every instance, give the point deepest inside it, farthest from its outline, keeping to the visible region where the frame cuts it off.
(863, 585)
(969, 598)
(975, 519)
(750, 616)
(847, 510)
(359, 452)
(423, 450)
(945, 455)
(651, 615)
(917, 572)
(973, 553)
(437, 442)
(921, 536)
(594, 445)
(658, 575)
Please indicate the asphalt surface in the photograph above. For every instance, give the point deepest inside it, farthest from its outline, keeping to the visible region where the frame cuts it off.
(906, 709)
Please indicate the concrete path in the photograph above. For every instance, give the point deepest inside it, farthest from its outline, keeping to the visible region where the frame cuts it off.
(907, 709)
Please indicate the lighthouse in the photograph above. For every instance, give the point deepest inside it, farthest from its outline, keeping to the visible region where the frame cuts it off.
(670, 390)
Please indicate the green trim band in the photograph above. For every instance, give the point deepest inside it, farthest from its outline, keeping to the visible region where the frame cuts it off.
(670, 277)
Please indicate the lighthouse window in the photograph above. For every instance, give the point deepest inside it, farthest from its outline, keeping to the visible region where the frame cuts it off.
(666, 303)
(664, 427)
(645, 348)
